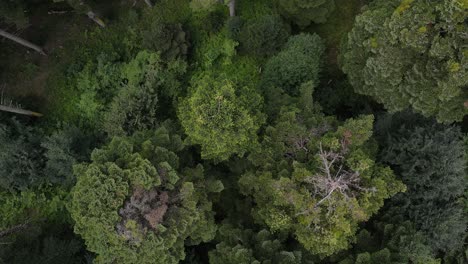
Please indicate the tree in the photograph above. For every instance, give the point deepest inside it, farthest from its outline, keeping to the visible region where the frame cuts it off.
(405, 62)
(305, 12)
(62, 150)
(222, 111)
(42, 228)
(198, 5)
(163, 29)
(134, 202)
(82, 8)
(137, 106)
(263, 36)
(390, 244)
(298, 64)
(245, 246)
(21, 156)
(22, 42)
(300, 61)
(317, 179)
(221, 117)
(430, 159)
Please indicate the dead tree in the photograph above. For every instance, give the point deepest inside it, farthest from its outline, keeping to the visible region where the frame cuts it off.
(148, 3)
(15, 229)
(334, 177)
(29, 223)
(22, 41)
(232, 8)
(82, 8)
(9, 106)
(95, 18)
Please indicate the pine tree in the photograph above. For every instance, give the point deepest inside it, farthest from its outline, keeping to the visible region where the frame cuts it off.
(430, 159)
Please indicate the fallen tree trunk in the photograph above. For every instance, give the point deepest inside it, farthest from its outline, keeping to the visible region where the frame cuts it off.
(19, 111)
(148, 3)
(96, 19)
(232, 8)
(22, 41)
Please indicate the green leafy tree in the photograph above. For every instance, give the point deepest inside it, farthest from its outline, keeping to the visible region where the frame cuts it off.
(317, 179)
(411, 54)
(305, 12)
(245, 246)
(137, 105)
(62, 150)
(391, 244)
(50, 250)
(21, 156)
(199, 5)
(300, 61)
(35, 226)
(133, 203)
(163, 29)
(263, 36)
(222, 109)
(221, 117)
(96, 85)
(430, 159)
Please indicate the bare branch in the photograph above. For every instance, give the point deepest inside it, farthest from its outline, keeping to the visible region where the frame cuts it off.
(334, 177)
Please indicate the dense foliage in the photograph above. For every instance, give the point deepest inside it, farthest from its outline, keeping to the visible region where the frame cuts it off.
(430, 159)
(304, 12)
(233, 131)
(411, 54)
(318, 180)
(135, 200)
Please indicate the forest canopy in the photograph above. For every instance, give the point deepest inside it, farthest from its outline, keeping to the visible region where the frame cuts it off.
(234, 131)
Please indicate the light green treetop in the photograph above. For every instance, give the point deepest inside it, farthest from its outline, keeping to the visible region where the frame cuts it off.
(317, 179)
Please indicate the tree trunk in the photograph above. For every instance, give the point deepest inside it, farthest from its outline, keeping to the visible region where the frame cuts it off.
(19, 111)
(148, 3)
(96, 19)
(232, 8)
(14, 229)
(22, 41)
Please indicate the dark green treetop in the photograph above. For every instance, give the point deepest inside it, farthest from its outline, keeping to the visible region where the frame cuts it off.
(246, 246)
(430, 159)
(263, 36)
(300, 61)
(305, 12)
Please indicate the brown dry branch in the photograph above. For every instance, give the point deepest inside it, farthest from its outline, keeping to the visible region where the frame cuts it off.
(147, 208)
(334, 177)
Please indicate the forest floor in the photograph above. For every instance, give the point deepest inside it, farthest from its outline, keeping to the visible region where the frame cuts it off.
(24, 73)
(25, 78)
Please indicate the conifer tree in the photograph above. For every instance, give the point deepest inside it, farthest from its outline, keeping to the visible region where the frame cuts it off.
(411, 54)
(430, 159)
(136, 203)
(317, 179)
(245, 246)
(222, 111)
